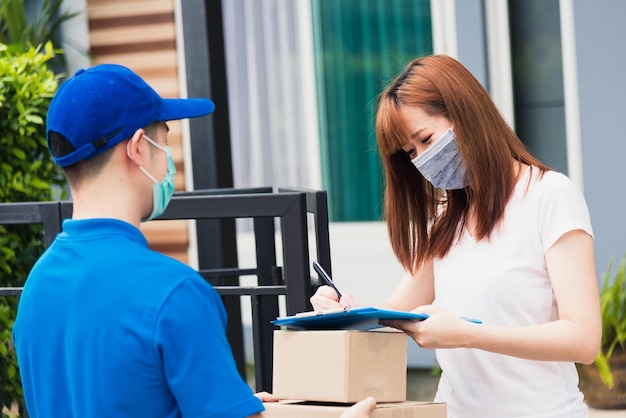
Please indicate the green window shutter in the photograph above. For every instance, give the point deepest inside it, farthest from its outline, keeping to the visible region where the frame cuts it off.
(360, 45)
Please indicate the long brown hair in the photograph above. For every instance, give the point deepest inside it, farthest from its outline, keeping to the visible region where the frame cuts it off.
(423, 222)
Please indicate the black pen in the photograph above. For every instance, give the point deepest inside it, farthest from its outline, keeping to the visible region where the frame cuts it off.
(325, 277)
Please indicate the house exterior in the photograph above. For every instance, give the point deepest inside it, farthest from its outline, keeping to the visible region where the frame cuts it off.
(302, 79)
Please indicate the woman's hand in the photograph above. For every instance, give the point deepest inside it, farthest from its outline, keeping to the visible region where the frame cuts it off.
(325, 298)
(441, 329)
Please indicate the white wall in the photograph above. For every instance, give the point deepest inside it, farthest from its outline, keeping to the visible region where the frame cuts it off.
(75, 35)
(599, 34)
(363, 265)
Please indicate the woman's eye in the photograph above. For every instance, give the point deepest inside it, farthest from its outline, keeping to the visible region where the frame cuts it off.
(426, 140)
(411, 152)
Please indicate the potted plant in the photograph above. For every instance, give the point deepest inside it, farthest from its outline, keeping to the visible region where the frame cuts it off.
(604, 382)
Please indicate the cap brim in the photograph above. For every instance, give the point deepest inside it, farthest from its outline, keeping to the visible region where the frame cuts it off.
(172, 109)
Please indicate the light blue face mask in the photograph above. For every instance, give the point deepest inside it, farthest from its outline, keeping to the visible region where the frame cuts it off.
(162, 191)
(442, 165)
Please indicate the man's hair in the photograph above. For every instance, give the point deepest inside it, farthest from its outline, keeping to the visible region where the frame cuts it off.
(81, 170)
(85, 169)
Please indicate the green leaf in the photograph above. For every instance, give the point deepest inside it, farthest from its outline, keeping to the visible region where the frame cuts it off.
(11, 371)
(20, 106)
(604, 370)
(7, 253)
(15, 19)
(34, 119)
(18, 153)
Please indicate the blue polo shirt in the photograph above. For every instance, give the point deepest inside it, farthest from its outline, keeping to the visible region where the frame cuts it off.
(107, 327)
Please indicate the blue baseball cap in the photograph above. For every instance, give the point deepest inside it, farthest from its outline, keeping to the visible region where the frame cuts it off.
(99, 107)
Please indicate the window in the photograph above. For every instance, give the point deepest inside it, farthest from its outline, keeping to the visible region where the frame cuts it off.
(538, 79)
(360, 45)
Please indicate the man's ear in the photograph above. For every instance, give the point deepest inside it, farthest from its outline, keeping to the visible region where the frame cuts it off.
(135, 152)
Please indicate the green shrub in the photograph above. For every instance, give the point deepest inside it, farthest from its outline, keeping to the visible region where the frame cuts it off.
(27, 173)
(35, 22)
(613, 308)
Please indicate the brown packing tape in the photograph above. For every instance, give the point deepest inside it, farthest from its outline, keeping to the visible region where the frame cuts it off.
(377, 392)
(381, 342)
(378, 385)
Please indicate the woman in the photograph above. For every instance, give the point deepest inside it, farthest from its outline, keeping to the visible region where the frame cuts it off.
(484, 230)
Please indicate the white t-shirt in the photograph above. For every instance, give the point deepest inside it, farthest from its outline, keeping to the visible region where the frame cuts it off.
(504, 281)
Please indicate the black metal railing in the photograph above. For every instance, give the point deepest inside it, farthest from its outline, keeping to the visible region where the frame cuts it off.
(291, 280)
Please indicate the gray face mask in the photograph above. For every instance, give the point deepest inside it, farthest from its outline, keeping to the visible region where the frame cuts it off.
(442, 165)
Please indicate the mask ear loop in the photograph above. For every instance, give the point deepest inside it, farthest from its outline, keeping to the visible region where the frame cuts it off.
(140, 167)
(153, 142)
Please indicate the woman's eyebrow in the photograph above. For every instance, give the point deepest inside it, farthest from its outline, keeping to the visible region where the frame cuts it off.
(417, 133)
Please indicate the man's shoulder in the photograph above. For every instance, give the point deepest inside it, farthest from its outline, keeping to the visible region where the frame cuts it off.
(161, 270)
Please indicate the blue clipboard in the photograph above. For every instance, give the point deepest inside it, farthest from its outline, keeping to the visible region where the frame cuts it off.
(362, 318)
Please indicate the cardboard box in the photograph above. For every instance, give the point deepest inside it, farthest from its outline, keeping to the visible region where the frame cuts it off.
(301, 409)
(340, 366)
